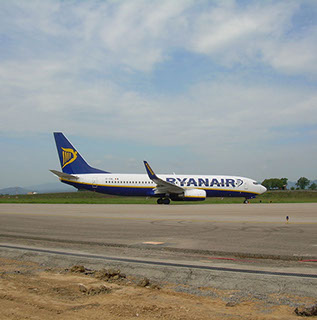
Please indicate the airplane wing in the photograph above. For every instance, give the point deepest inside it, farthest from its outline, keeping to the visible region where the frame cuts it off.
(64, 175)
(161, 185)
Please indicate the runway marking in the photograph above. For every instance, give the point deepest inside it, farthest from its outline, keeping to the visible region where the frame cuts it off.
(166, 264)
(223, 258)
(153, 242)
(72, 215)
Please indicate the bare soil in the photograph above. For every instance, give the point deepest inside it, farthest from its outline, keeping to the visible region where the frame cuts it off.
(29, 292)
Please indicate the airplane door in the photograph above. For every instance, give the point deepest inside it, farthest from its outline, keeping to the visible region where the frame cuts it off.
(94, 183)
(246, 186)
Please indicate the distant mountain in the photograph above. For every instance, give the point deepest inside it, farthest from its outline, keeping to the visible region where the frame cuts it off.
(52, 187)
(40, 188)
(14, 190)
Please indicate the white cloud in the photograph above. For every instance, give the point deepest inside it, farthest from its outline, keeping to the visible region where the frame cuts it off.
(133, 33)
(234, 34)
(293, 56)
(138, 35)
(223, 112)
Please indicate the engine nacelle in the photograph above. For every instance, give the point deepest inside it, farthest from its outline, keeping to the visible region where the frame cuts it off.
(191, 195)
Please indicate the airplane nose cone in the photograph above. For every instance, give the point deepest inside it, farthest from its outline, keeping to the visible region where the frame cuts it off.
(263, 189)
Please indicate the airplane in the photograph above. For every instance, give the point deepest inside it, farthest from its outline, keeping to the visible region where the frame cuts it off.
(166, 187)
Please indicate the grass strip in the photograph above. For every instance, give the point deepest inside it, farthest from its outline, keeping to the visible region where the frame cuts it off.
(87, 197)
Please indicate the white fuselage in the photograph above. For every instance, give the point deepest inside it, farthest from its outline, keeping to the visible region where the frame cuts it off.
(140, 184)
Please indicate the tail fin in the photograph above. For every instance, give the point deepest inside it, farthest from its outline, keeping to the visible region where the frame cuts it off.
(71, 161)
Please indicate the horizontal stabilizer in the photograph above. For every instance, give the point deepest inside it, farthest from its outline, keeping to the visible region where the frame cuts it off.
(64, 175)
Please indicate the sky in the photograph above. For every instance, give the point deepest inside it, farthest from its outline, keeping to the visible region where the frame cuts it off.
(191, 86)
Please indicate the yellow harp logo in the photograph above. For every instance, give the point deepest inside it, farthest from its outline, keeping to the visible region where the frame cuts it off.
(69, 156)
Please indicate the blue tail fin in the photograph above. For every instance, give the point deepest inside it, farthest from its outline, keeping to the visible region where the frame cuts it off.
(71, 161)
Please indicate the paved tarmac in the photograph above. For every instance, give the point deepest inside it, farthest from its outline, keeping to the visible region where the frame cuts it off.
(252, 229)
(250, 248)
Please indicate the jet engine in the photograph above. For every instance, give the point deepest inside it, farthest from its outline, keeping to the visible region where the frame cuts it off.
(190, 195)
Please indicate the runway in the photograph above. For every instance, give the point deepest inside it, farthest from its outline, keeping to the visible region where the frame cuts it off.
(246, 247)
(254, 230)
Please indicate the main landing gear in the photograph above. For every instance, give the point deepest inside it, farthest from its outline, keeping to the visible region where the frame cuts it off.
(163, 201)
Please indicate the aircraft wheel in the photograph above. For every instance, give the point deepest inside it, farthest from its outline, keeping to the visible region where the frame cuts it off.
(166, 201)
(246, 201)
(159, 201)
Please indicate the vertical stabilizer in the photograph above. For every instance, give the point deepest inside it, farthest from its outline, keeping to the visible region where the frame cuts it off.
(70, 159)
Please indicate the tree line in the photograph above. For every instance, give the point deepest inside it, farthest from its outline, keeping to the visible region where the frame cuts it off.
(281, 184)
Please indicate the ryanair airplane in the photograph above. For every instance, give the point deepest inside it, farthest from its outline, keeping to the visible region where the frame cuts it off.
(78, 173)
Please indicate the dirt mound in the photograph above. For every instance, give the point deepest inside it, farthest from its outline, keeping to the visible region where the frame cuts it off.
(306, 311)
(111, 274)
(94, 290)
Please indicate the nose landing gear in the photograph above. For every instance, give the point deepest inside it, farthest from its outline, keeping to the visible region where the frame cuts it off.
(246, 201)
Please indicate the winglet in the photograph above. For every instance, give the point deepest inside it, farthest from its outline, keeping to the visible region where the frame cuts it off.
(149, 171)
